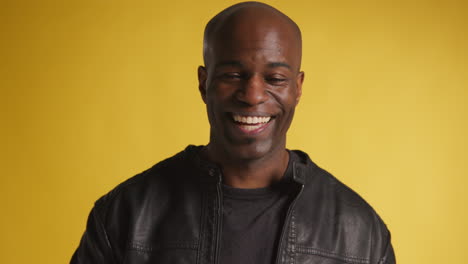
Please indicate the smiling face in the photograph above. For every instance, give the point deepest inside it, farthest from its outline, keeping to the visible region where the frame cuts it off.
(251, 84)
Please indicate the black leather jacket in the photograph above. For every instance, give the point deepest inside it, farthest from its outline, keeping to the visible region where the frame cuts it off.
(171, 214)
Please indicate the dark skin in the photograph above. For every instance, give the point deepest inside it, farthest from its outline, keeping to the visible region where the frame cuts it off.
(251, 85)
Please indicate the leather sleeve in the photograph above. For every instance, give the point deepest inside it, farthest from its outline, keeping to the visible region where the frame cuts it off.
(94, 247)
(382, 244)
(388, 255)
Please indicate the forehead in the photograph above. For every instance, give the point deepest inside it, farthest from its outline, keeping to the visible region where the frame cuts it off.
(255, 36)
(252, 44)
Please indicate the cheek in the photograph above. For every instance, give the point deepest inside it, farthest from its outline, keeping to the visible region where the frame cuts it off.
(215, 111)
(222, 93)
(288, 102)
(217, 93)
(287, 99)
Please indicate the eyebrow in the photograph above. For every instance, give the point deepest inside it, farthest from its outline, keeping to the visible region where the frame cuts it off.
(278, 64)
(229, 63)
(239, 64)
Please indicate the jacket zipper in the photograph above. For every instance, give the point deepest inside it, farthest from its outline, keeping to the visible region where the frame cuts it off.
(285, 226)
(219, 222)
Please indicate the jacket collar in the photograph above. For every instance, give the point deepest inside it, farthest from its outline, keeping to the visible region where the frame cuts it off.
(211, 172)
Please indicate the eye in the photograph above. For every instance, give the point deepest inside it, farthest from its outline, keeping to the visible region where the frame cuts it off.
(230, 76)
(276, 80)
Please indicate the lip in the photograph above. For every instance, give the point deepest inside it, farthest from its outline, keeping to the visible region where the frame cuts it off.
(250, 131)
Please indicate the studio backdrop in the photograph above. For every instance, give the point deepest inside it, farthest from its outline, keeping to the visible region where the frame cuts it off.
(94, 92)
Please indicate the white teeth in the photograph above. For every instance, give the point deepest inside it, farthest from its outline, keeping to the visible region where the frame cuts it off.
(251, 119)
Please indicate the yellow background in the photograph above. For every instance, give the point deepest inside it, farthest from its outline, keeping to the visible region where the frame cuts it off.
(93, 92)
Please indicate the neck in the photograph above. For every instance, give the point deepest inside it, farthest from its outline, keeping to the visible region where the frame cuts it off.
(250, 173)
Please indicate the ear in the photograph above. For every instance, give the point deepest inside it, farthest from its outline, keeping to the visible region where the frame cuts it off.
(299, 81)
(202, 75)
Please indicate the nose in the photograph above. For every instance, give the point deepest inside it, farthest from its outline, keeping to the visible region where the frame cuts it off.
(253, 91)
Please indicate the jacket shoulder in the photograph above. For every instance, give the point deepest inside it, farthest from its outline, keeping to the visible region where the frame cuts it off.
(138, 212)
(328, 190)
(348, 227)
(155, 181)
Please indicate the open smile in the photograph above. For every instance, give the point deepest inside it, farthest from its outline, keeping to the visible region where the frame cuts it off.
(250, 123)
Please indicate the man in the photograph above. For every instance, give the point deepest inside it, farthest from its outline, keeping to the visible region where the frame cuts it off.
(243, 198)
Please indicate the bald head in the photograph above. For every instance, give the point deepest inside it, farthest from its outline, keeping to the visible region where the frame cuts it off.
(249, 21)
(252, 55)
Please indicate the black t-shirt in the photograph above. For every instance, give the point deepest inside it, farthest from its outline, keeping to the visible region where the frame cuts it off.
(253, 220)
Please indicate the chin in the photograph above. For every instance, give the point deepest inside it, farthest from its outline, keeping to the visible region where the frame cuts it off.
(250, 151)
